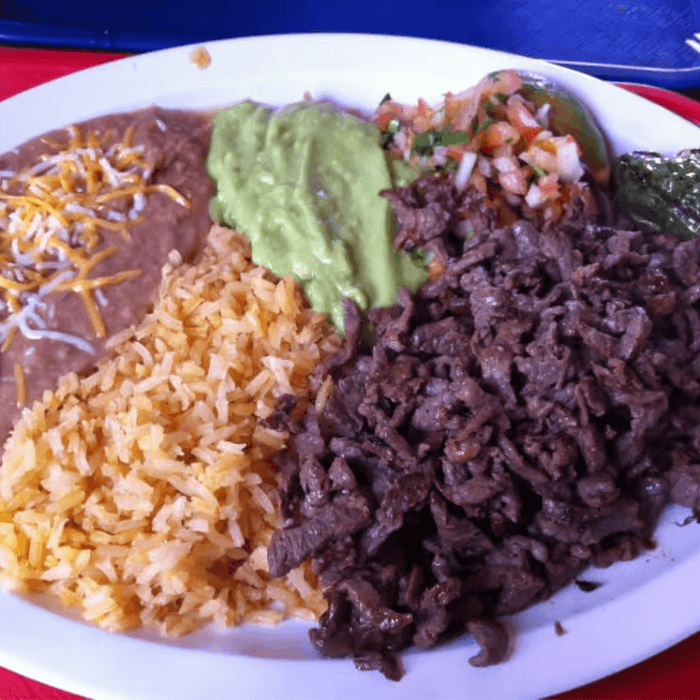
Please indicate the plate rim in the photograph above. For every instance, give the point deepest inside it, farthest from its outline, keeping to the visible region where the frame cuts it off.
(356, 682)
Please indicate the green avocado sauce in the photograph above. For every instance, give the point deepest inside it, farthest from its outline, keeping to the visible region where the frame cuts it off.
(303, 184)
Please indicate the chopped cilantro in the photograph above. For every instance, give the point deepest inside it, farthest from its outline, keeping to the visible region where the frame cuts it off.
(501, 97)
(424, 143)
(452, 138)
(538, 171)
(439, 168)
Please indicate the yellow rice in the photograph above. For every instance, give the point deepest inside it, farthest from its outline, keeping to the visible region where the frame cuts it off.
(143, 493)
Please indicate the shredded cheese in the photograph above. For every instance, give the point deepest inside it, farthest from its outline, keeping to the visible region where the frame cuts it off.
(21, 383)
(51, 213)
(201, 57)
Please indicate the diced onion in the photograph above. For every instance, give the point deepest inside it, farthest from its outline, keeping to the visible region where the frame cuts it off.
(568, 163)
(534, 197)
(466, 165)
(505, 164)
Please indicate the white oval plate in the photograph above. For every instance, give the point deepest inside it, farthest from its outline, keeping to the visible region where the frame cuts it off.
(643, 607)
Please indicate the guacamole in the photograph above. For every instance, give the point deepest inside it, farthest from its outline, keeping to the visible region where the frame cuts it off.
(303, 184)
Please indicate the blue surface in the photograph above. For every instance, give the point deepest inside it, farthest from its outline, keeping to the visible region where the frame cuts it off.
(643, 42)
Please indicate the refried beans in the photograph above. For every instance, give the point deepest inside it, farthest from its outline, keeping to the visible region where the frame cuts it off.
(173, 143)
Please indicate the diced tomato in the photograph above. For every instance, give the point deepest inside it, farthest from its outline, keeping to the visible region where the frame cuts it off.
(528, 212)
(421, 123)
(476, 143)
(477, 180)
(451, 107)
(424, 109)
(548, 185)
(506, 216)
(455, 152)
(493, 193)
(523, 121)
(383, 120)
(386, 112)
(497, 135)
(506, 82)
(513, 181)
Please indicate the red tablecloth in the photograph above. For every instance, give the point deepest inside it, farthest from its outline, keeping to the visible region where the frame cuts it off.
(673, 674)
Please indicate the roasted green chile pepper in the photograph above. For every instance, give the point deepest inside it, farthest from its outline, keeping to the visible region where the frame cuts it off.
(660, 193)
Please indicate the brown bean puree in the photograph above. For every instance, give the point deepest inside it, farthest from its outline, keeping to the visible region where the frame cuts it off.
(173, 145)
